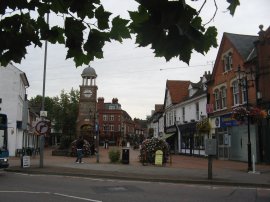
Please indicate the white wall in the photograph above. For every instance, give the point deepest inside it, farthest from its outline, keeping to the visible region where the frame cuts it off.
(12, 103)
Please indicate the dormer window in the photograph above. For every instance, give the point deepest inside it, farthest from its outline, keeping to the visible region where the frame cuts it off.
(227, 60)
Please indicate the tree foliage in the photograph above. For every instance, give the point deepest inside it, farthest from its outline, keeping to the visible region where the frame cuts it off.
(62, 110)
(171, 28)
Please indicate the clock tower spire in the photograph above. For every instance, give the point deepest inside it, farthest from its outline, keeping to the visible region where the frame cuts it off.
(87, 104)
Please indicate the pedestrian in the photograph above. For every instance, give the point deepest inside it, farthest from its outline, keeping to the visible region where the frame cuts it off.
(79, 147)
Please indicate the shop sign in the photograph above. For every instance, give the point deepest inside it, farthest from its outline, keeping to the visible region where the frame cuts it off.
(227, 120)
(159, 157)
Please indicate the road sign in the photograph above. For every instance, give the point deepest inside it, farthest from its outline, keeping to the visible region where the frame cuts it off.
(210, 147)
(43, 113)
(42, 127)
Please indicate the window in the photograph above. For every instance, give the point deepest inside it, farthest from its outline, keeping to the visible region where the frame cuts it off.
(244, 92)
(217, 101)
(235, 89)
(223, 97)
(170, 119)
(111, 127)
(104, 117)
(111, 117)
(227, 62)
(183, 114)
(197, 111)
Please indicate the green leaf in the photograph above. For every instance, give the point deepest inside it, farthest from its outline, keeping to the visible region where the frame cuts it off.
(210, 38)
(102, 17)
(95, 43)
(119, 29)
(56, 35)
(233, 5)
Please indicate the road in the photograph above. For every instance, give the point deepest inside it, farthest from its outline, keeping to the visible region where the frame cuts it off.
(24, 187)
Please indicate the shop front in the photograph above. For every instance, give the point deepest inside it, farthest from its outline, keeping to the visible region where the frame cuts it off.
(232, 138)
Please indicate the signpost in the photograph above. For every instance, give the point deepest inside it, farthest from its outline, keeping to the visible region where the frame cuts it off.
(210, 150)
(26, 161)
(159, 158)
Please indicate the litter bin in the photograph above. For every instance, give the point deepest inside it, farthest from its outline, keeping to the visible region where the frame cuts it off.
(125, 155)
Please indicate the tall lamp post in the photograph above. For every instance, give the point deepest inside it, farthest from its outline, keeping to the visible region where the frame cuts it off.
(246, 80)
(95, 133)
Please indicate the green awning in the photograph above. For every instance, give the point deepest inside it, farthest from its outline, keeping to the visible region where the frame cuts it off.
(166, 135)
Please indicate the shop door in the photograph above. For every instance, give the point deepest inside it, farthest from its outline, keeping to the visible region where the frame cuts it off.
(223, 146)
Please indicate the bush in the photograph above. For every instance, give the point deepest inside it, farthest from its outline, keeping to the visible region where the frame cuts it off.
(149, 148)
(114, 155)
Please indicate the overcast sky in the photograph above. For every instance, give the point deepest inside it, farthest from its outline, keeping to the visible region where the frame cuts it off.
(132, 74)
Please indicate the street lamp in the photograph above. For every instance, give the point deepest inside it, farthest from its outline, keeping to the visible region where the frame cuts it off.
(95, 133)
(246, 80)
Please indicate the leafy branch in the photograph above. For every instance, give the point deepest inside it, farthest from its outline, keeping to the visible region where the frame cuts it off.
(171, 28)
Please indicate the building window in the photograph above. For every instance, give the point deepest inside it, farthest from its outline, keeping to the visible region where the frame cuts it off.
(227, 62)
(183, 114)
(105, 117)
(197, 111)
(217, 99)
(111, 127)
(170, 119)
(235, 89)
(111, 117)
(223, 97)
(111, 107)
(244, 92)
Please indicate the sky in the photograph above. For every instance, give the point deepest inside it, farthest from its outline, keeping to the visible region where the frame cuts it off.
(131, 73)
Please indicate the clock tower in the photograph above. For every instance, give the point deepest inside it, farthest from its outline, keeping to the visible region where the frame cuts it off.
(87, 104)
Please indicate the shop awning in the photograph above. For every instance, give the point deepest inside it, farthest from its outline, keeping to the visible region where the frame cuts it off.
(166, 135)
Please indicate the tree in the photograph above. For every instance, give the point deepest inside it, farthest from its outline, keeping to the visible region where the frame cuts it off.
(62, 110)
(171, 27)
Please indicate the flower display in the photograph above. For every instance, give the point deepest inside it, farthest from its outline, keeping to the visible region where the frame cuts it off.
(255, 113)
(149, 148)
(86, 148)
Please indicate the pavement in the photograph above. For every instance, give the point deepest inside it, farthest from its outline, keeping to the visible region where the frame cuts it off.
(180, 169)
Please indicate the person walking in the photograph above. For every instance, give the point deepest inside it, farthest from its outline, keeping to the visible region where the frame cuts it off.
(79, 146)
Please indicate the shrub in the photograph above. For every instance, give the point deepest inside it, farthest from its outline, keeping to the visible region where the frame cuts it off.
(149, 148)
(114, 155)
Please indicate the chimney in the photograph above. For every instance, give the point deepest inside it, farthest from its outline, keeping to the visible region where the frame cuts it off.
(100, 104)
(261, 32)
(115, 101)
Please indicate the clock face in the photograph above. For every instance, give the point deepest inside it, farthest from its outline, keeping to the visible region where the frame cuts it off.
(87, 93)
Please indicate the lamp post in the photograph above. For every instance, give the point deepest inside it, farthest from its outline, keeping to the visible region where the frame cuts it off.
(244, 83)
(95, 133)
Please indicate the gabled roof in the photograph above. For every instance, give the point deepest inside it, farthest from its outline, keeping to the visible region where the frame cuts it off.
(243, 43)
(196, 85)
(178, 90)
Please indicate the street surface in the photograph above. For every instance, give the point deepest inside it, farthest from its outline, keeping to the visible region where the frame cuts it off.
(25, 187)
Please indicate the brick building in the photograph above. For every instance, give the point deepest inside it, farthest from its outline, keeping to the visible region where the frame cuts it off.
(115, 124)
(228, 90)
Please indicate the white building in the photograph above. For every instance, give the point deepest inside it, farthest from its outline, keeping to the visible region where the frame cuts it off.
(13, 84)
(185, 106)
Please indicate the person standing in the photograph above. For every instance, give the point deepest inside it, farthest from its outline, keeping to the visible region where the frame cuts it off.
(79, 147)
